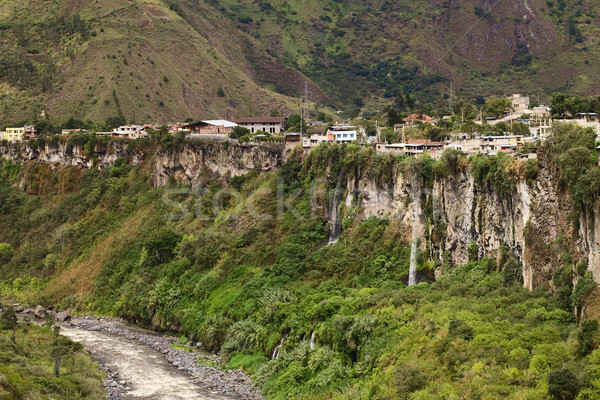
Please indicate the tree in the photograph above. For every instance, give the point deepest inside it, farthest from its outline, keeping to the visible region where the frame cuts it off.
(436, 134)
(63, 347)
(585, 286)
(496, 106)
(114, 122)
(220, 92)
(408, 379)
(6, 252)
(294, 123)
(463, 108)
(9, 321)
(562, 384)
(586, 337)
(238, 132)
(520, 129)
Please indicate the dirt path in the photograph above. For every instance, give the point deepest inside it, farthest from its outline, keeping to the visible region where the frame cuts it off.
(146, 371)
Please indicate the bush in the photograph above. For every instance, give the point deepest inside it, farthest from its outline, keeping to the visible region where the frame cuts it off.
(512, 272)
(408, 379)
(458, 328)
(562, 384)
(6, 253)
(586, 337)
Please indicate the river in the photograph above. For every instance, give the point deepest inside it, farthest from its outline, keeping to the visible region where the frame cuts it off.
(146, 371)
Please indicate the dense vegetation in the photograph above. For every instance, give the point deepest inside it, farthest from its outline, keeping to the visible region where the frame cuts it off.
(35, 363)
(252, 288)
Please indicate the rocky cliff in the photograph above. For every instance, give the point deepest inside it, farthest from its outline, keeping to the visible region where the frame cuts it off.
(455, 218)
(188, 164)
(194, 162)
(69, 154)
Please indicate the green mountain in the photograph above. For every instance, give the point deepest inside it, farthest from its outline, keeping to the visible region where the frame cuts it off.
(166, 60)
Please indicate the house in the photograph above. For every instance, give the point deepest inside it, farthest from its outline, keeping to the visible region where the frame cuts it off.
(541, 112)
(412, 148)
(423, 118)
(519, 103)
(129, 132)
(270, 125)
(313, 138)
(15, 134)
(292, 140)
(71, 131)
(342, 134)
(2, 135)
(178, 127)
(588, 117)
(30, 131)
(213, 127)
(505, 144)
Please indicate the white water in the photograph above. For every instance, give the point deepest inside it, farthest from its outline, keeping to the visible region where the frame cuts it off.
(525, 201)
(277, 349)
(416, 213)
(313, 341)
(146, 371)
(334, 219)
(468, 212)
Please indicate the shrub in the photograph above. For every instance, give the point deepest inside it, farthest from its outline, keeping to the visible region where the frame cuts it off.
(408, 379)
(458, 328)
(562, 384)
(512, 272)
(586, 337)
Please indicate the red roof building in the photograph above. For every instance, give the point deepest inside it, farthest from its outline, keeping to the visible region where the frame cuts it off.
(424, 118)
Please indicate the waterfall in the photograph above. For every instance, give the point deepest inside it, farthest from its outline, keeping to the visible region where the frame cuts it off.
(313, 340)
(334, 219)
(416, 213)
(277, 349)
(525, 201)
(468, 212)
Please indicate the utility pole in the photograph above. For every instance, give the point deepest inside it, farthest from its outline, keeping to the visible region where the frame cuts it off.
(304, 100)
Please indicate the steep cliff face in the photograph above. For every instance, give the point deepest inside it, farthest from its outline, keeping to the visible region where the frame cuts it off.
(72, 155)
(193, 163)
(187, 164)
(457, 216)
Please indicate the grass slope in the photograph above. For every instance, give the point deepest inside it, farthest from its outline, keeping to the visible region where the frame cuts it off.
(27, 368)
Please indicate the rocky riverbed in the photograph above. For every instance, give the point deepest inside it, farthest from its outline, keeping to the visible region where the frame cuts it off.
(144, 365)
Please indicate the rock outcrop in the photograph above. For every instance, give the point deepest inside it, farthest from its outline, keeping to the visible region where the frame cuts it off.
(72, 155)
(195, 162)
(457, 216)
(531, 221)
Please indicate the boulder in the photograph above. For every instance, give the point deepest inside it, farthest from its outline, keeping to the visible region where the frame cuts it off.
(63, 316)
(27, 311)
(39, 312)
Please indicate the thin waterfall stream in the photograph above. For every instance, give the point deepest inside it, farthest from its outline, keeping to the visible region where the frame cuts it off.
(416, 213)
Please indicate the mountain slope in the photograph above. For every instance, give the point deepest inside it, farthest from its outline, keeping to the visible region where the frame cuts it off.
(165, 60)
(139, 60)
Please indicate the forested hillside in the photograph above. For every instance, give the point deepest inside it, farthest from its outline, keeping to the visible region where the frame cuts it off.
(159, 61)
(262, 282)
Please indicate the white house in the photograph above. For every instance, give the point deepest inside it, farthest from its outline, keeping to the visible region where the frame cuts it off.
(266, 124)
(130, 132)
(342, 134)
